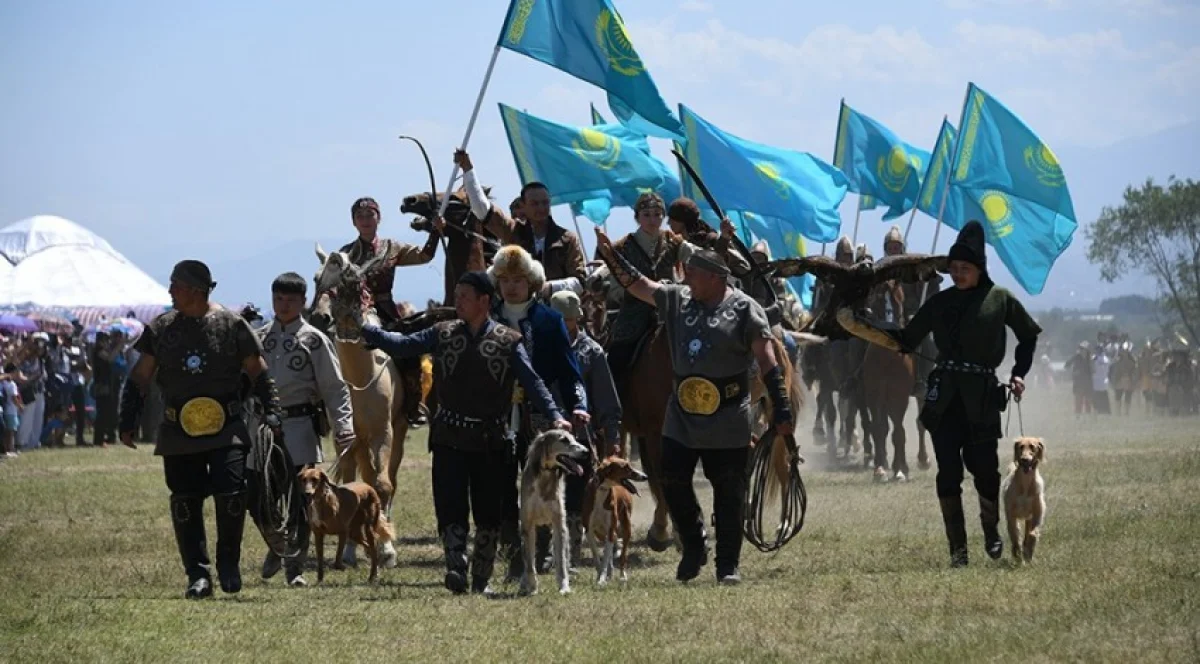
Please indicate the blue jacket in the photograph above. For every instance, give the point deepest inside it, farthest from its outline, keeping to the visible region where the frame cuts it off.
(544, 335)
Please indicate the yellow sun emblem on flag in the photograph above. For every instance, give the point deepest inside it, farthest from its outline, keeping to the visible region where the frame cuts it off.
(771, 174)
(1041, 160)
(597, 148)
(894, 169)
(997, 209)
(614, 41)
(516, 29)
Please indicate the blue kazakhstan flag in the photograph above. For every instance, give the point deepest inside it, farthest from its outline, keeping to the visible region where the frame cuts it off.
(577, 162)
(877, 163)
(634, 120)
(768, 181)
(783, 241)
(1009, 179)
(587, 39)
(933, 185)
(866, 202)
(598, 209)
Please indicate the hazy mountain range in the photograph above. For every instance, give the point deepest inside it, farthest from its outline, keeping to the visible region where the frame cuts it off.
(1097, 178)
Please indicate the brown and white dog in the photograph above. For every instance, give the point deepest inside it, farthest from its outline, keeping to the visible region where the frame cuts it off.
(543, 492)
(349, 511)
(608, 514)
(1025, 496)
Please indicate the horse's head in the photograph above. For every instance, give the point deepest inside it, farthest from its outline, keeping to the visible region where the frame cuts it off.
(426, 206)
(345, 285)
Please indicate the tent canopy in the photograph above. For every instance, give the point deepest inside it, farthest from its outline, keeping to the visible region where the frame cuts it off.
(53, 261)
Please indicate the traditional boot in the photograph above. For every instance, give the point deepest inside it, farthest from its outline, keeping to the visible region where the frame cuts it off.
(454, 540)
(989, 518)
(575, 531)
(483, 560)
(410, 376)
(728, 498)
(187, 517)
(544, 563)
(231, 521)
(956, 529)
(295, 564)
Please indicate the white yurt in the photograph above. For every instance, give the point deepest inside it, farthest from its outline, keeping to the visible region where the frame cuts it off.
(51, 262)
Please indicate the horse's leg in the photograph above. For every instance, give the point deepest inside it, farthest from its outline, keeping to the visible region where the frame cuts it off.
(922, 449)
(659, 536)
(899, 438)
(878, 423)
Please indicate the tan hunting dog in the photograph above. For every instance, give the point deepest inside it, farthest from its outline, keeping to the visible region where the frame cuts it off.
(351, 511)
(1025, 496)
(543, 488)
(608, 508)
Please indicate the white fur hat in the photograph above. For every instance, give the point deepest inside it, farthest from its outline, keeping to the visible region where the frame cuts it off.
(513, 260)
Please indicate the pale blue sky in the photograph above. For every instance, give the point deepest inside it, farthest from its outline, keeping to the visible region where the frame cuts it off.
(254, 125)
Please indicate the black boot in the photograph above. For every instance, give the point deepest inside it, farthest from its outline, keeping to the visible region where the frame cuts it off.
(454, 541)
(728, 497)
(544, 563)
(575, 532)
(989, 518)
(483, 560)
(187, 517)
(231, 519)
(956, 529)
(689, 523)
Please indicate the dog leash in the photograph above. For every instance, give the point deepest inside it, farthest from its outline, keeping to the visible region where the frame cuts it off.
(1020, 418)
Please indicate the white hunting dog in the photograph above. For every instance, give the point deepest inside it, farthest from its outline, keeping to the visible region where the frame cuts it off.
(543, 488)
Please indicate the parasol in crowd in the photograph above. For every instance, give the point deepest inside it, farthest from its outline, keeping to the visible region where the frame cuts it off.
(15, 323)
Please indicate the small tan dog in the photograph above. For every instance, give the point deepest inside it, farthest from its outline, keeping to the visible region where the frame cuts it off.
(608, 514)
(1025, 496)
(350, 511)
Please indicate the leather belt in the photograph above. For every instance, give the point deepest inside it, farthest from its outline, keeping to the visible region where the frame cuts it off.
(965, 367)
(703, 395)
(466, 421)
(300, 410)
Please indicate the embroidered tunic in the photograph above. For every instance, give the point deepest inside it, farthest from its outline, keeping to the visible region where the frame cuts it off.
(199, 357)
(716, 344)
(307, 373)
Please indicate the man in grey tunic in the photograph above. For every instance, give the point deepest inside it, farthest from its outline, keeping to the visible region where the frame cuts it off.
(605, 408)
(715, 333)
(312, 394)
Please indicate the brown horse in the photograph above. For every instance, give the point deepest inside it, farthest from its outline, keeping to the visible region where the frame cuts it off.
(463, 235)
(888, 380)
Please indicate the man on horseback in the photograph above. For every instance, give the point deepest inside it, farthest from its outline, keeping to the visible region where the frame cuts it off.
(715, 334)
(557, 249)
(311, 387)
(683, 217)
(518, 278)
(365, 215)
(478, 365)
(605, 406)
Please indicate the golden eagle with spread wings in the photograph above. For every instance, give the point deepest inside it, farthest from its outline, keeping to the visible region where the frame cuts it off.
(850, 285)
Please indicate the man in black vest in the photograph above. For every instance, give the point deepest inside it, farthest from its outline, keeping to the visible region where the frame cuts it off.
(477, 364)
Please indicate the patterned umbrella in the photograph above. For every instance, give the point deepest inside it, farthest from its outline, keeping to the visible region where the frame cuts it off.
(15, 323)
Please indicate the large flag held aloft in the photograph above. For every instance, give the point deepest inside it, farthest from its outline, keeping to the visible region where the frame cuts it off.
(579, 163)
(877, 163)
(933, 185)
(587, 39)
(1009, 179)
(768, 181)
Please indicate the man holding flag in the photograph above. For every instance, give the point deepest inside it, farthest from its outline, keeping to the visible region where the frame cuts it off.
(556, 248)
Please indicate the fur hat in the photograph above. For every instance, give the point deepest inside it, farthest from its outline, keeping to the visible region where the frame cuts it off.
(513, 260)
(893, 235)
(685, 211)
(969, 246)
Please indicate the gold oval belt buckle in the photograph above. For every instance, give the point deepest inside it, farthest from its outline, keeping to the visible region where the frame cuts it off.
(202, 416)
(698, 396)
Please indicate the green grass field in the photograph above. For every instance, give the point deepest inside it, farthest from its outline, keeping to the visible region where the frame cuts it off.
(89, 572)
